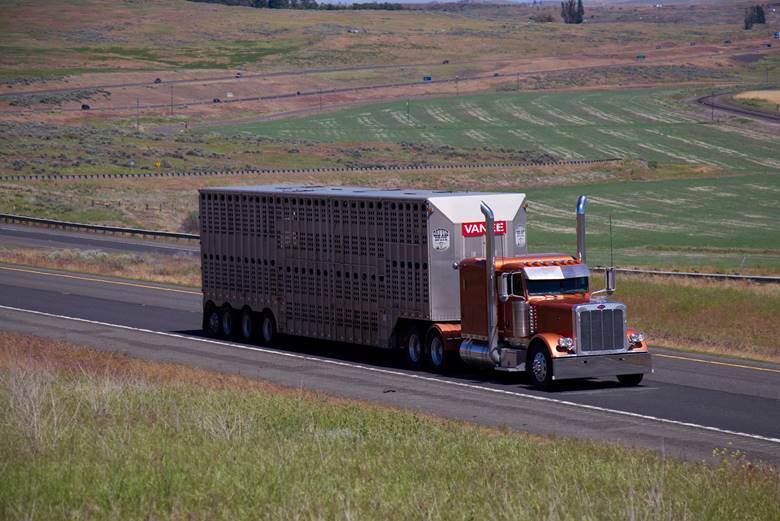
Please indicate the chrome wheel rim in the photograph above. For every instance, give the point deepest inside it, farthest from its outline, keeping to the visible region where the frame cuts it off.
(539, 367)
(437, 352)
(413, 348)
(246, 325)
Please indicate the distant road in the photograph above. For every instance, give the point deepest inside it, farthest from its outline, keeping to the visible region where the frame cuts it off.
(336, 90)
(690, 406)
(722, 102)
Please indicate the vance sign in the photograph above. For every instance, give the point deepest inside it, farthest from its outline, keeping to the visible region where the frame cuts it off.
(478, 228)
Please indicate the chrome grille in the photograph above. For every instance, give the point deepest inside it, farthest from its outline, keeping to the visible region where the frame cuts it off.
(601, 330)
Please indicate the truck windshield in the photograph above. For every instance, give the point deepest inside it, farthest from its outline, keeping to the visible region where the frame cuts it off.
(557, 286)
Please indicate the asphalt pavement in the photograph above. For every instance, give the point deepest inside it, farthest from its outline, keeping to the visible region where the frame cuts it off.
(691, 405)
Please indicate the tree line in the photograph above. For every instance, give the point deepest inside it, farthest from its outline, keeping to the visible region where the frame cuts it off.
(572, 12)
(306, 4)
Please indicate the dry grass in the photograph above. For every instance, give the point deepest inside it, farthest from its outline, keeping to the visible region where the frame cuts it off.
(169, 269)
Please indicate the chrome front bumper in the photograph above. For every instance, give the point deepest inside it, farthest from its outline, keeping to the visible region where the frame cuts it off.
(592, 366)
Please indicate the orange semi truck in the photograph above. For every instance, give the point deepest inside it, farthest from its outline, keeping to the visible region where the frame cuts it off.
(440, 276)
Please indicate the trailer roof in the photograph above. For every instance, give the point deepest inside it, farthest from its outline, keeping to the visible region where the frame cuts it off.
(346, 191)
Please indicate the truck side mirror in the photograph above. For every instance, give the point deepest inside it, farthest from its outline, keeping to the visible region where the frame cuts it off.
(610, 274)
(503, 289)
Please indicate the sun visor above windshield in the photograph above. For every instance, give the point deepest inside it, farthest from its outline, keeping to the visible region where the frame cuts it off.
(556, 272)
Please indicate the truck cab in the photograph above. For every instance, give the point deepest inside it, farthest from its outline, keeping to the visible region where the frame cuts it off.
(537, 313)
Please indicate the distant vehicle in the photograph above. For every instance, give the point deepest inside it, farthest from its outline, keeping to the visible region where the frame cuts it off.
(496, 74)
(768, 45)
(777, 35)
(157, 80)
(692, 44)
(657, 46)
(427, 78)
(640, 56)
(238, 75)
(445, 62)
(84, 106)
(216, 100)
(726, 41)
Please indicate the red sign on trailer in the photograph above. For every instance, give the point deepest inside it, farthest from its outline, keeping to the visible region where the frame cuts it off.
(478, 228)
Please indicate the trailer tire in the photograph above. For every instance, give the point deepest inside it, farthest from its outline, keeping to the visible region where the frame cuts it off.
(228, 321)
(248, 324)
(413, 347)
(268, 332)
(212, 321)
(630, 380)
(539, 367)
(439, 360)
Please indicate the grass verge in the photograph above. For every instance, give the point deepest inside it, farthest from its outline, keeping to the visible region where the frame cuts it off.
(179, 269)
(726, 318)
(97, 435)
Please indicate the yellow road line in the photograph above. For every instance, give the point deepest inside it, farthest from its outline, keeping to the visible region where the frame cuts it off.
(104, 281)
(715, 362)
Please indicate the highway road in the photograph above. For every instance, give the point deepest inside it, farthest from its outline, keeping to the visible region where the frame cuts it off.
(691, 405)
(23, 236)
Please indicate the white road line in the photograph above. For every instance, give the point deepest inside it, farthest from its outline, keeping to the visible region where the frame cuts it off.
(403, 374)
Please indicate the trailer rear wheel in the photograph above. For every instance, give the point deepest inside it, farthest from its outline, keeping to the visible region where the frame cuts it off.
(212, 321)
(228, 322)
(539, 368)
(438, 359)
(630, 380)
(412, 344)
(268, 328)
(248, 324)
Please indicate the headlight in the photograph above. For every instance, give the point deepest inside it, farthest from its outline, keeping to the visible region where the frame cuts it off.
(566, 343)
(636, 338)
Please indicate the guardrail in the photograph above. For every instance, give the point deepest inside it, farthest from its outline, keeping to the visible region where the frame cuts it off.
(697, 274)
(67, 225)
(336, 169)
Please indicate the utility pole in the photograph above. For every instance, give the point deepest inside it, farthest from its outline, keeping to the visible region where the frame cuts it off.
(320, 99)
(518, 82)
(457, 87)
(712, 106)
(407, 109)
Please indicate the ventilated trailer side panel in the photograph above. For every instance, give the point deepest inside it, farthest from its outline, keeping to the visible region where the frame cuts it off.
(342, 264)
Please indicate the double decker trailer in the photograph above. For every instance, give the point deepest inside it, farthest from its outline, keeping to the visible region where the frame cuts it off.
(392, 269)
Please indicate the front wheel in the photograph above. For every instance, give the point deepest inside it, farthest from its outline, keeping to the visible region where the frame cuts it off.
(540, 368)
(630, 380)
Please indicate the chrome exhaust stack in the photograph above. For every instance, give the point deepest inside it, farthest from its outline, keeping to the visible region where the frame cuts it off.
(490, 275)
(582, 203)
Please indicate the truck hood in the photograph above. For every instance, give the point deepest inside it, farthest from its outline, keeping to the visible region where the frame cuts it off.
(555, 316)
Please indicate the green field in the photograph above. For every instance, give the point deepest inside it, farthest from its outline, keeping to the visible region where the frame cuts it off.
(646, 124)
(724, 223)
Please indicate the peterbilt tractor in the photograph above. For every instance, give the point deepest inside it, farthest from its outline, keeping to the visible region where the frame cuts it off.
(440, 276)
